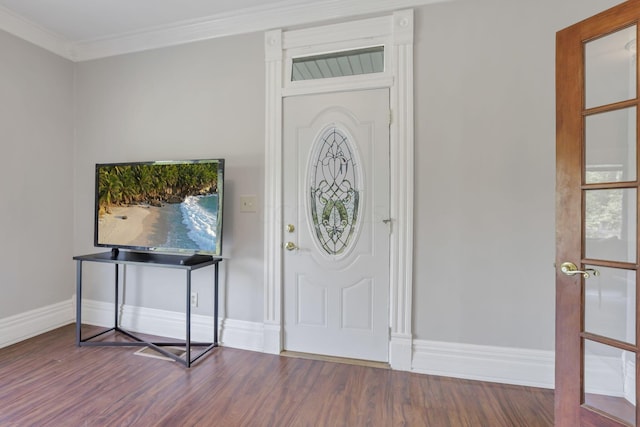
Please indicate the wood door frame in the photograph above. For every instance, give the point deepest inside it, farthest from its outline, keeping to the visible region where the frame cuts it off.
(569, 205)
(395, 32)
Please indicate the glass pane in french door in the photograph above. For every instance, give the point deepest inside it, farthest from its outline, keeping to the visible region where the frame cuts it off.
(610, 146)
(610, 304)
(610, 224)
(610, 204)
(610, 72)
(610, 380)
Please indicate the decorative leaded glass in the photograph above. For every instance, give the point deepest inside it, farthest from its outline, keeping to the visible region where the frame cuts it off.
(334, 191)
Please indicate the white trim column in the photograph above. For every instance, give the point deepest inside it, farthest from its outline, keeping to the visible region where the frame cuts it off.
(273, 194)
(402, 173)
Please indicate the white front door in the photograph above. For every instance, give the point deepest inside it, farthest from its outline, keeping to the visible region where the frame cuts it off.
(336, 224)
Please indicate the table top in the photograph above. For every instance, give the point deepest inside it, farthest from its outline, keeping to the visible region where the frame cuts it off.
(185, 262)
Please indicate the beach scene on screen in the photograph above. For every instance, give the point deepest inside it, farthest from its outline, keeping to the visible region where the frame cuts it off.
(160, 206)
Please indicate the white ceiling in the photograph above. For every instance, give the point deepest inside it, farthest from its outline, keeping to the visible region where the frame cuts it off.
(88, 29)
(82, 20)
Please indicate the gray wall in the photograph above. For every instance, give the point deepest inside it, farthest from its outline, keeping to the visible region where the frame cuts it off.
(200, 100)
(485, 136)
(36, 177)
(485, 157)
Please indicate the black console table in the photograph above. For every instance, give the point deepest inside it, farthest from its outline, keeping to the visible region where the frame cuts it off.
(182, 262)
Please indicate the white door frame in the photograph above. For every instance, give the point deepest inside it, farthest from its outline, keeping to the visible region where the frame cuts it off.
(395, 32)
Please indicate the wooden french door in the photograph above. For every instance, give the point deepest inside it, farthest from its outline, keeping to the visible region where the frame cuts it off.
(597, 322)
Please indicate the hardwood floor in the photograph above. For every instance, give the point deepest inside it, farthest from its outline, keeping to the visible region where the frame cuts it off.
(48, 381)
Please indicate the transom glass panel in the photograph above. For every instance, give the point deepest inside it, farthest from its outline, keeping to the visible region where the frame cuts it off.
(334, 192)
(339, 64)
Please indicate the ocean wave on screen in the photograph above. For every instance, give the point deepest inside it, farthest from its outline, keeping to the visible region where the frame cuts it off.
(199, 216)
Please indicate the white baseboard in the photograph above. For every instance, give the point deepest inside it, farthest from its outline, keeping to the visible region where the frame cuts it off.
(231, 333)
(272, 338)
(629, 377)
(242, 334)
(400, 352)
(533, 368)
(486, 363)
(35, 322)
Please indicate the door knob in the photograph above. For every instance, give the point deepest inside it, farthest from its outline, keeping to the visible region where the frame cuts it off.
(290, 246)
(570, 269)
(291, 228)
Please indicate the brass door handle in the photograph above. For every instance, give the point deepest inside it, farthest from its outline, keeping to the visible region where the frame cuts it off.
(570, 269)
(290, 246)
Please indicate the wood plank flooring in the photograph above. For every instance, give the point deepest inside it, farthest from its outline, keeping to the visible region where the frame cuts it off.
(48, 381)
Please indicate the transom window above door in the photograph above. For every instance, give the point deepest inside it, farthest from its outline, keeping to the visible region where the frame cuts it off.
(339, 64)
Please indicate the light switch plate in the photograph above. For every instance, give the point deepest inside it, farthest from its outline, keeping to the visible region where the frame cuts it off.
(248, 203)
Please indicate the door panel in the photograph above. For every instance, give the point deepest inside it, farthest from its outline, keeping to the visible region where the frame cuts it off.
(597, 216)
(610, 224)
(336, 199)
(609, 387)
(610, 304)
(610, 157)
(604, 64)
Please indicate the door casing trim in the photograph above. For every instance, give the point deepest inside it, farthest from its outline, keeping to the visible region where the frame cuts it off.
(395, 32)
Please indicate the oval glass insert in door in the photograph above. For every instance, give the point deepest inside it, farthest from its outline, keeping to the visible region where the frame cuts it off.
(334, 191)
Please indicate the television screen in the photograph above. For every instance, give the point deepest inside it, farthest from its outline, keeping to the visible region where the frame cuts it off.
(168, 206)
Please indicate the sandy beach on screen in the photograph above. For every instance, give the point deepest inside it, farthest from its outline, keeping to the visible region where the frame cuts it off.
(131, 226)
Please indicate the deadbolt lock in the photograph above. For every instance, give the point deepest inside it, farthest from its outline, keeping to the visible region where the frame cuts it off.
(290, 246)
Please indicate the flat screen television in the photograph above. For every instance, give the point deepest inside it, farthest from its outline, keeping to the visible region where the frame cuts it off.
(163, 206)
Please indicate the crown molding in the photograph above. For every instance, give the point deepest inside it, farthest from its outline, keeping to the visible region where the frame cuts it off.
(282, 14)
(33, 33)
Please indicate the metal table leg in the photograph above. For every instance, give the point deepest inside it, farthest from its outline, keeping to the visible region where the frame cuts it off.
(78, 301)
